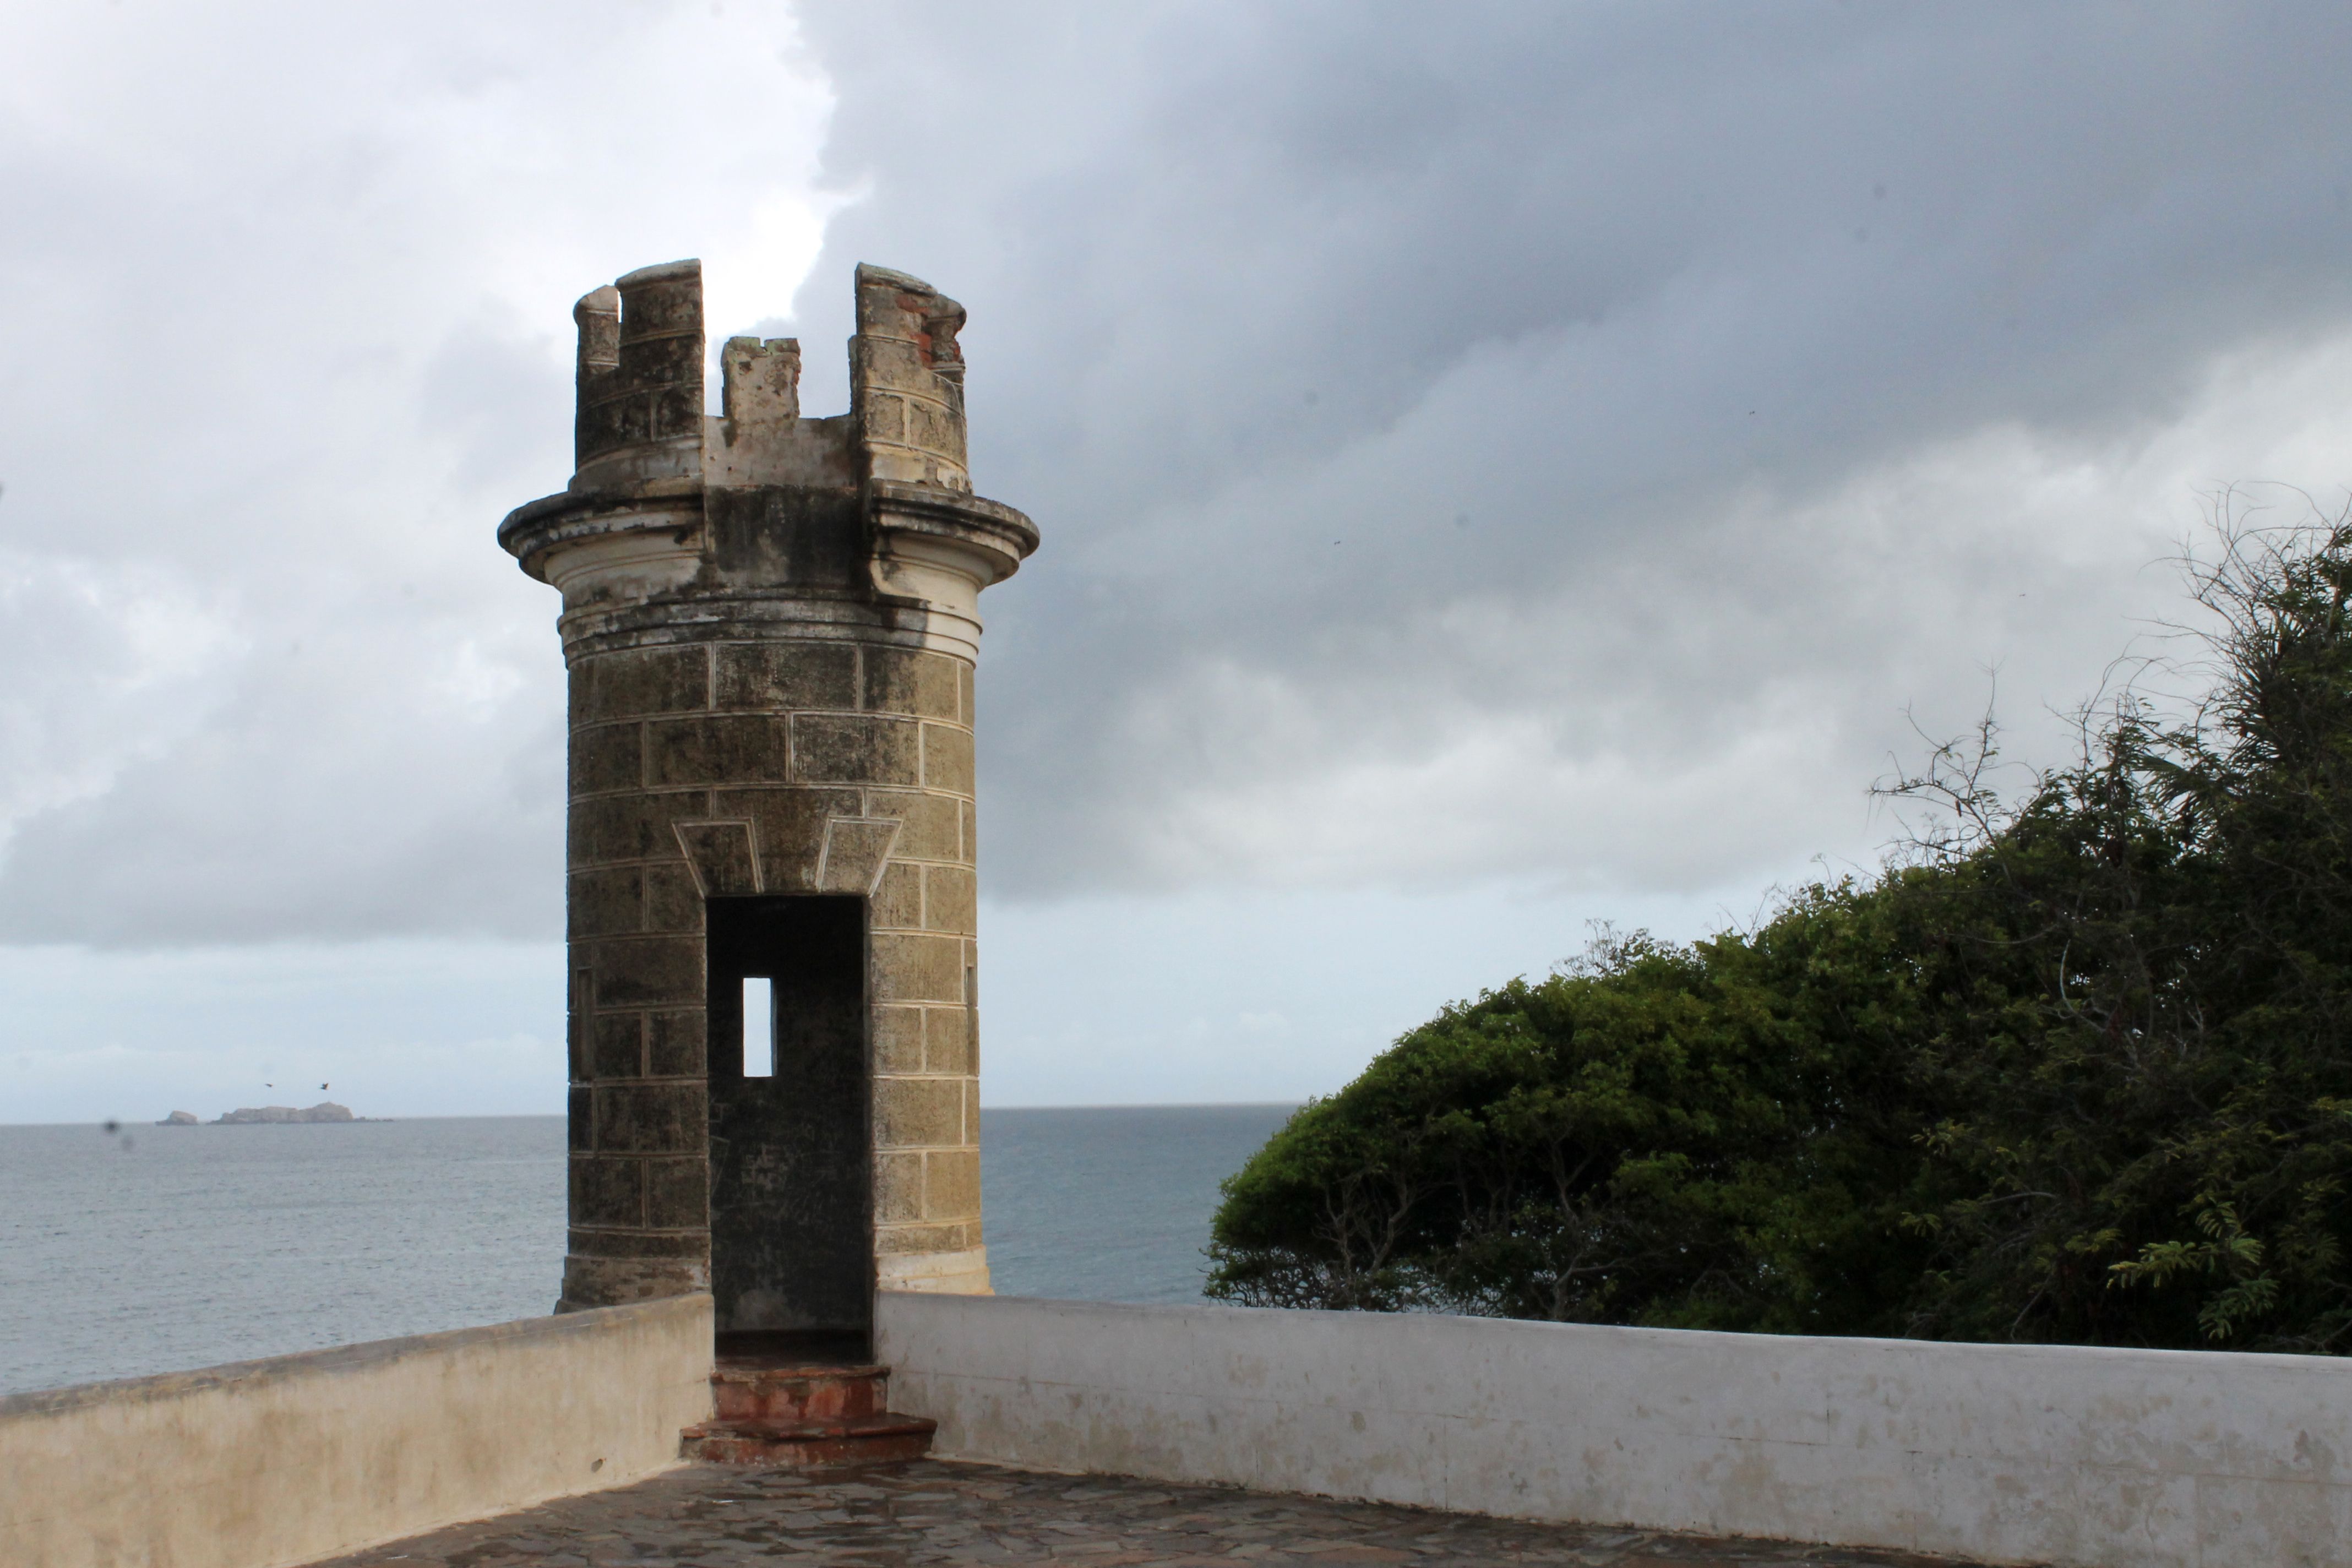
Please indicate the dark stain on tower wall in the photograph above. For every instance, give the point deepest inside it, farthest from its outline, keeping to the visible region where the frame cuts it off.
(791, 1187)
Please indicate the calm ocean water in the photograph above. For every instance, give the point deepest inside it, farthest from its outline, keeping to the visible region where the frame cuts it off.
(158, 1249)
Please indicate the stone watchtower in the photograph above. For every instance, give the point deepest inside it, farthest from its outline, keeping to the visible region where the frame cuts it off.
(771, 625)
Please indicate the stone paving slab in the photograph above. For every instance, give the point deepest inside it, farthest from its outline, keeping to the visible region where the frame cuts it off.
(946, 1512)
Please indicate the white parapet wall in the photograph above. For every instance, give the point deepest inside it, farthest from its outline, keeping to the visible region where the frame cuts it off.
(285, 1461)
(2106, 1458)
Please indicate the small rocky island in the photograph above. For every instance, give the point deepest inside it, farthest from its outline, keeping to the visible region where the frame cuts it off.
(250, 1115)
(325, 1111)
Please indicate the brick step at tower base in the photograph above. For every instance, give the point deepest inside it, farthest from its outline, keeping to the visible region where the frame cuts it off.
(793, 1412)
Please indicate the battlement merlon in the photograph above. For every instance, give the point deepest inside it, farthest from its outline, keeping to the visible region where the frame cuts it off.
(905, 380)
(635, 522)
(640, 388)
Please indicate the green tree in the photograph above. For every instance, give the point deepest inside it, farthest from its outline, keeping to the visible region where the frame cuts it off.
(2072, 1068)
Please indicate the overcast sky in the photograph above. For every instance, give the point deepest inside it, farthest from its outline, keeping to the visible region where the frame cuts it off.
(1501, 466)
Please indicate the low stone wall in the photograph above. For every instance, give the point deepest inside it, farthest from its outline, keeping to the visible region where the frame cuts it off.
(285, 1461)
(2006, 1454)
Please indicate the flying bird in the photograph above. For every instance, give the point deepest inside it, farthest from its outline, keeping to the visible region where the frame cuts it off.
(322, 1085)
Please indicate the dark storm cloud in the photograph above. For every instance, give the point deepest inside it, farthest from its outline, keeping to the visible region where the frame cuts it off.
(1393, 383)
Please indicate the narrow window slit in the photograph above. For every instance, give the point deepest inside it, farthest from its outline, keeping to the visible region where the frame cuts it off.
(759, 1028)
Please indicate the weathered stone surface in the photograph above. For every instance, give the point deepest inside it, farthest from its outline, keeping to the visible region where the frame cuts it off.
(649, 393)
(606, 757)
(898, 681)
(898, 1040)
(648, 1118)
(947, 759)
(647, 971)
(928, 1512)
(616, 1046)
(898, 898)
(885, 419)
(609, 902)
(911, 968)
(635, 682)
(625, 1241)
(951, 1183)
(917, 1112)
(734, 749)
(792, 1183)
(907, 379)
(763, 384)
(769, 621)
(897, 1187)
(840, 748)
(897, 1240)
(674, 892)
(782, 677)
(929, 826)
(632, 826)
(724, 858)
(855, 848)
(952, 898)
(678, 1192)
(947, 1040)
(788, 826)
(674, 1044)
(848, 1443)
(308, 1455)
(593, 1275)
(606, 1191)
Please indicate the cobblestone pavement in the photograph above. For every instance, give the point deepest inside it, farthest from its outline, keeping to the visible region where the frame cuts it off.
(951, 1513)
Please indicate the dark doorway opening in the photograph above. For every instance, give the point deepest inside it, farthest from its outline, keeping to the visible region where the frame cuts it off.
(791, 1222)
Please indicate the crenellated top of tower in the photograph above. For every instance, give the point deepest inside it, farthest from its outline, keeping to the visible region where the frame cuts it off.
(640, 383)
(666, 498)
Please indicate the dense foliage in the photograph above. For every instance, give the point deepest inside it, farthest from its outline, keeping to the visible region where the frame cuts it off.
(2074, 1068)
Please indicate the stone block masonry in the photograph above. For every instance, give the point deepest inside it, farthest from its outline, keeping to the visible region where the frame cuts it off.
(677, 796)
(772, 626)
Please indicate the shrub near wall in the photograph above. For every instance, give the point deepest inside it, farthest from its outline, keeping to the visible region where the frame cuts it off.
(2077, 1068)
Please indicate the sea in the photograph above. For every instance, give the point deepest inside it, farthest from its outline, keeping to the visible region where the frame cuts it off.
(147, 1249)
